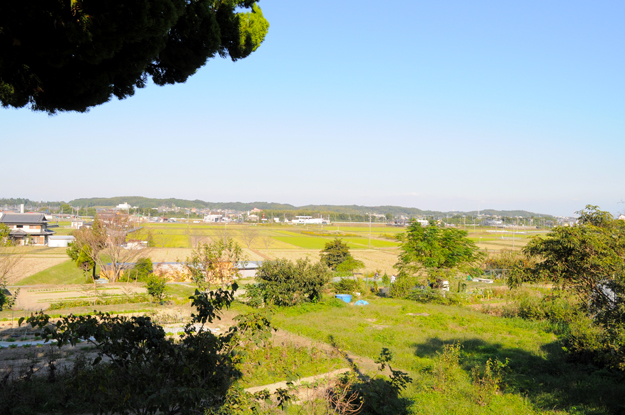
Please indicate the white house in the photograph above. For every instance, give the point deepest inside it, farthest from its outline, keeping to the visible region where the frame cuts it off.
(27, 228)
(309, 220)
(213, 218)
(123, 206)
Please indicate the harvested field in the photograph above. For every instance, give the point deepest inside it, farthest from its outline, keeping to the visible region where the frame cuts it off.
(373, 259)
(168, 254)
(30, 265)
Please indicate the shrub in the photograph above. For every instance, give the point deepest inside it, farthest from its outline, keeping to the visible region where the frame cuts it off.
(254, 294)
(487, 381)
(142, 270)
(590, 343)
(286, 283)
(447, 368)
(386, 280)
(349, 285)
(156, 287)
(403, 286)
(144, 371)
(556, 307)
(428, 295)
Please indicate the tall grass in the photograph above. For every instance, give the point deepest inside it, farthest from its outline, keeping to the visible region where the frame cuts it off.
(537, 376)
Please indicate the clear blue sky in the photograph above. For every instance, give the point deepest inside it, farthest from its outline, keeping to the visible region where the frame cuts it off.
(447, 105)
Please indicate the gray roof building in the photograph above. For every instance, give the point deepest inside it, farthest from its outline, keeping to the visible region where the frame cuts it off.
(23, 218)
(27, 228)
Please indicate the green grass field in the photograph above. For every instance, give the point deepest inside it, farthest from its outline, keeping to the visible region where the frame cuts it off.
(64, 273)
(176, 235)
(538, 378)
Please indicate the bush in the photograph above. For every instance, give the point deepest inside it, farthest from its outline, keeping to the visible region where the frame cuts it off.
(286, 283)
(348, 285)
(156, 287)
(138, 369)
(556, 307)
(403, 286)
(428, 295)
(589, 343)
(255, 295)
(141, 271)
(585, 338)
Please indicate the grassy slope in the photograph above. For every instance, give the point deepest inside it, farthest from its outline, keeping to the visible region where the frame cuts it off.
(64, 273)
(540, 378)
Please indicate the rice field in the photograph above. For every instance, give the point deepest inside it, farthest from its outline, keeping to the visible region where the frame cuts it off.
(377, 246)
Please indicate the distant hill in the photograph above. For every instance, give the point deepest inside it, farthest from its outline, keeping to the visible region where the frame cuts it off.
(145, 202)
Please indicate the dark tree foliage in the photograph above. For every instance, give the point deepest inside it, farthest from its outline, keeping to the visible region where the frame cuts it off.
(139, 370)
(70, 55)
(335, 253)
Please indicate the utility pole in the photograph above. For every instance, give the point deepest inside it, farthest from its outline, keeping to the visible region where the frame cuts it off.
(369, 230)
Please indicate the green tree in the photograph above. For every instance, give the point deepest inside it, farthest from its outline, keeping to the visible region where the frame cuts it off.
(90, 242)
(155, 286)
(286, 283)
(589, 259)
(62, 55)
(335, 253)
(142, 270)
(349, 266)
(66, 209)
(85, 262)
(435, 250)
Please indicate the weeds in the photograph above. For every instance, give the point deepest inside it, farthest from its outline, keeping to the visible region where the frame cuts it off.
(488, 380)
(447, 366)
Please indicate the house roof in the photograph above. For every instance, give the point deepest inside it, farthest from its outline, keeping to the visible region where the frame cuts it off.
(20, 233)
(24, 218)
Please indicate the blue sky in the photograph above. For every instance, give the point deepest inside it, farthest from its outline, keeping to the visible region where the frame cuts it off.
(448, 105)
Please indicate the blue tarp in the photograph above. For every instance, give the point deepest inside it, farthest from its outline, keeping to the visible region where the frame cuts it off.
(345, 297)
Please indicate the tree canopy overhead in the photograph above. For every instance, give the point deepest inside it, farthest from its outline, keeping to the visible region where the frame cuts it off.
(70, 55)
